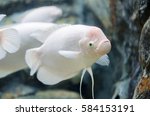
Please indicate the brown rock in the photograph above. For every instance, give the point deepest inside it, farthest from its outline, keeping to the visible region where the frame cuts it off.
(144, 48)
(142, 90)
(101, 9)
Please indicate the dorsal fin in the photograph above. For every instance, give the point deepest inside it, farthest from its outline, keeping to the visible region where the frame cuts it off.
(41, 35)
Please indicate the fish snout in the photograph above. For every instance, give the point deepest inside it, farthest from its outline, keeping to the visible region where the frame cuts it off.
(58, 12)
(104, 47)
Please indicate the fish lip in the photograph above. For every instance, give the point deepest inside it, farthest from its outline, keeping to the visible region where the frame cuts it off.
(102, 42)
(108, 48)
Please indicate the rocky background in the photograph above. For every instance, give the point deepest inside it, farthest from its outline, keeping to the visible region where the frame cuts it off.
(125, 22)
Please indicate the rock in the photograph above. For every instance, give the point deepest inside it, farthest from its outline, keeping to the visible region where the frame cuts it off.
(143, 88)
(142, 8)
(144, 48)
(121, 89)
(53, 94)
(144, 95)
(8, 95)
(15, 85)
(14, 91)
(101, 9)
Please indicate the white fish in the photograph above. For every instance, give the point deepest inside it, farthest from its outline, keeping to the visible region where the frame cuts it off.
(16, 39)
(66, 52)
(42, 14)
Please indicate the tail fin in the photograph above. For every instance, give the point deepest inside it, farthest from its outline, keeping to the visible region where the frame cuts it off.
(9, 41)
(33, 60)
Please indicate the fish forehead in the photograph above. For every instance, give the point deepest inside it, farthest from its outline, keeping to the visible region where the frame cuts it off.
(93, 32)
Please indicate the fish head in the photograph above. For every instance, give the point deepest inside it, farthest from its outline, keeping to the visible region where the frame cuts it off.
(95, 43)
(55, 11)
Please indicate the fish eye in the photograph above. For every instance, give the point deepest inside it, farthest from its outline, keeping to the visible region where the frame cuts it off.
(91, 44)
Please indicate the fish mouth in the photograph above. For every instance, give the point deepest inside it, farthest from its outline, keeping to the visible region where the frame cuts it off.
(104, 47)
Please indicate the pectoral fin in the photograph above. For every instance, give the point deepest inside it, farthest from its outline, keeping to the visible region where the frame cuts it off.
(104, 60)
(69, 54)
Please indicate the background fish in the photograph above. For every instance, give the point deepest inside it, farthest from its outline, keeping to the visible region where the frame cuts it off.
(66, 52)
(16, 39)
(42, 14)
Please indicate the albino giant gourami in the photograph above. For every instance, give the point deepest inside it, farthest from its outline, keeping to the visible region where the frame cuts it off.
(66, 52)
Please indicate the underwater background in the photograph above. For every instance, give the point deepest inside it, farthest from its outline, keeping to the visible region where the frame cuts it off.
(122, 22)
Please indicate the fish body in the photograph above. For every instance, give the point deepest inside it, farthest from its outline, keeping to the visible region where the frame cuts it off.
(14, 59)
(66, 52)
(42, 14)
